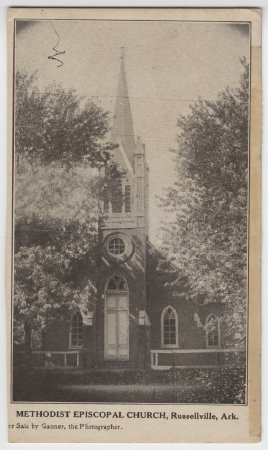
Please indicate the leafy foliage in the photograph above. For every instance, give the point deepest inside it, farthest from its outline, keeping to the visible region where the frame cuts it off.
(53, 126)
(163, 276)
(60, 150)
(209, 200)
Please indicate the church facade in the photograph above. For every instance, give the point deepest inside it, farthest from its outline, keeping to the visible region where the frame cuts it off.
(135, 322)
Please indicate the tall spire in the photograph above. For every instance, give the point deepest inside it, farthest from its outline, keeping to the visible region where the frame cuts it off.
(122, 131)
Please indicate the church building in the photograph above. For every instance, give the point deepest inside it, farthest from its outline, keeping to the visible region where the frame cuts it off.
(135, 322)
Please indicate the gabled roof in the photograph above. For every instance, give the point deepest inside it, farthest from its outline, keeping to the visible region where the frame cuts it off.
(156, 250)
(122, 130)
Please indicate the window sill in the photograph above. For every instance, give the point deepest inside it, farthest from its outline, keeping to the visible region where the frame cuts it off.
(170, 346)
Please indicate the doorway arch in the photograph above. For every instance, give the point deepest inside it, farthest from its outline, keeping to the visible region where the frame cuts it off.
(116, 319)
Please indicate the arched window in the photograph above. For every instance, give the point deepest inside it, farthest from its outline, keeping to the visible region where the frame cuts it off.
(169, 327)
(116, 319)
(76, 338)
(212, 331)
(117, 283)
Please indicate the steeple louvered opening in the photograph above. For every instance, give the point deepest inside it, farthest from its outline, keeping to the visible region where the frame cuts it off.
(125, 201)
(119, 199)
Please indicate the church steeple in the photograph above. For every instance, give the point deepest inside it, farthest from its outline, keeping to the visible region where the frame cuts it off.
(122, 131)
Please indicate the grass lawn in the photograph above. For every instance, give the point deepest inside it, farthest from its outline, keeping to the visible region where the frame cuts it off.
(129, 393)
(192, 385)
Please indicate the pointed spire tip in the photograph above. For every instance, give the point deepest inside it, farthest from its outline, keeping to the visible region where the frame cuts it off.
(122, 52)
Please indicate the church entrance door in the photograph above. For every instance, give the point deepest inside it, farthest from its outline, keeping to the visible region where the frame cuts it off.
(116, 331)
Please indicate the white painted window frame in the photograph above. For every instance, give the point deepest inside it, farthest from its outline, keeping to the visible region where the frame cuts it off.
(71, 346)
(163, 345)
(218, 330)
(108, 291)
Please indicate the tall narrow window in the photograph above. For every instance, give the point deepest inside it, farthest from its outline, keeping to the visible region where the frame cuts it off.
(106, 206)
(213, 331)
(105, 200)
(127, 198)
(116, 320)
(169, 327)
(77, 330)
(117, 198)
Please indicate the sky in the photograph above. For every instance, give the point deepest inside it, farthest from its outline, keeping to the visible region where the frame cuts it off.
(168, 65)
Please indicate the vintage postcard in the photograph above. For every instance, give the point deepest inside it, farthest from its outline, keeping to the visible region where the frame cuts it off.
(134, 225)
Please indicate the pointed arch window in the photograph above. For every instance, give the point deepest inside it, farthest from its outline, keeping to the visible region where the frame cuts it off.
(116, 319)
(169, 327)
(76, 332)
(117, 283)
(212, 331)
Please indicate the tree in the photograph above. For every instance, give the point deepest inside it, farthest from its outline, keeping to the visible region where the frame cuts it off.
(56, 126)
(60, 148)
(209, 199)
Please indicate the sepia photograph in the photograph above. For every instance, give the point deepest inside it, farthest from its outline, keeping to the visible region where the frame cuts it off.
(131, 165)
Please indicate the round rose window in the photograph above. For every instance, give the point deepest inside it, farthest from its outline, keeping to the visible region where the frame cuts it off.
(116, 246)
